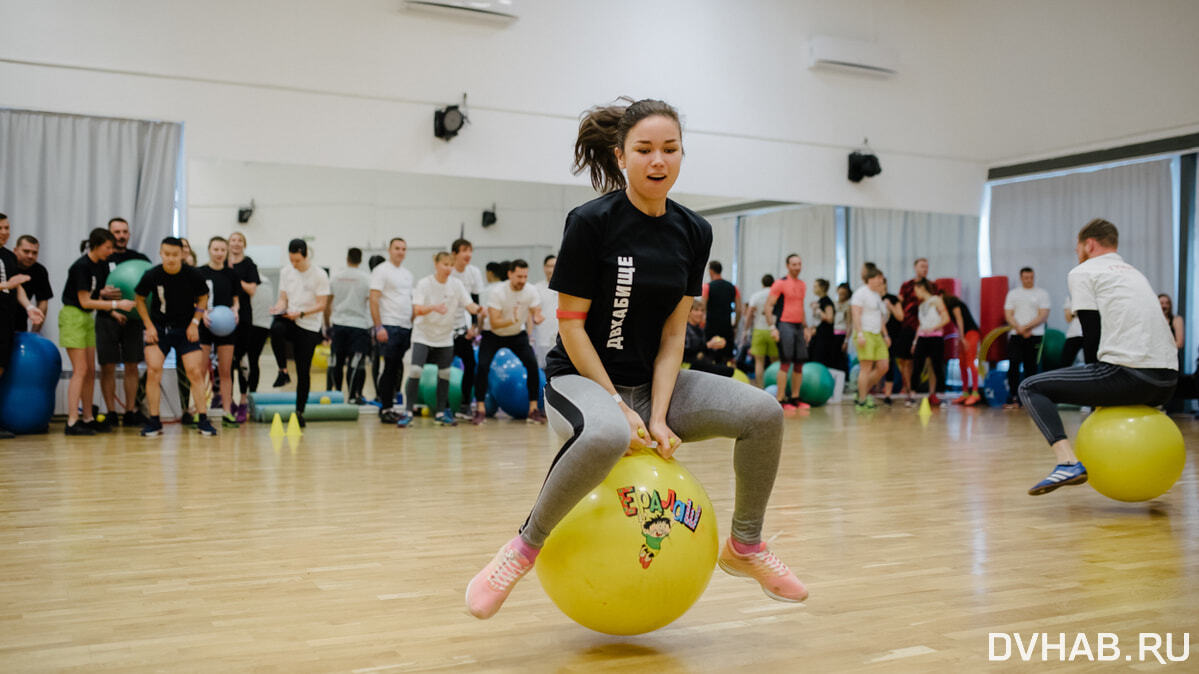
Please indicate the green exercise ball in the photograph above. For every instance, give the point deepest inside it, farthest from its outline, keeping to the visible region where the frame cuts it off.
(1051, 349)
(126, 276)
(817, 386)
(428, 387)
(771, 376)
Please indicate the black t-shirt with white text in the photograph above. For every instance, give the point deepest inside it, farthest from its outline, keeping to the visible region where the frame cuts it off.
(172, 297)
(635, 269)
(222, 285)
(84, 275)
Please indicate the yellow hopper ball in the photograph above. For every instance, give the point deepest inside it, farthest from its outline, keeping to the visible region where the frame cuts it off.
(636, 552)
(1131, 453)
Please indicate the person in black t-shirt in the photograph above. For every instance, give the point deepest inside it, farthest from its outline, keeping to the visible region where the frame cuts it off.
(77, 329)
(894, 376)
(119, 336)
(223, 286)
(14, 303)
(248, 339)
(823, 346)
(968, 338)
(171, 300)
(37, 288)
(702, 353)
(629, 265)
(723, 302)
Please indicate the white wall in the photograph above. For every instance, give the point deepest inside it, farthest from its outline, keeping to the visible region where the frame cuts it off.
(352, 84)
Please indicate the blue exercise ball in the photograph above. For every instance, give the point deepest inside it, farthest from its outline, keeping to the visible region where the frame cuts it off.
(507, 382)
(28, 385)
(221, 321)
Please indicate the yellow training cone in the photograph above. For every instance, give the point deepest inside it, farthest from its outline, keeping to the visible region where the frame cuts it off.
(293, 426)
(277, 426)
(924, 410)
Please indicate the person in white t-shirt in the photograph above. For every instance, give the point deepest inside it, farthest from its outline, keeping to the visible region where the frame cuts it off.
(510, 305)
(466, 328)
(870, 336)
(761, 344)
(437, 301)
(391, 314)
(1025, 309)
(545, 336)
(348, 322)
(1130, 353)
(303, 295)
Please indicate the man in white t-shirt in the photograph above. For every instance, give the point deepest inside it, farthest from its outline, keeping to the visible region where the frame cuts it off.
(437, 301)
(391, 314)
(1130, 351)
(761, 345)
(303, 296)
(1025, 309)
(870, 335)
(466, 328)
(348, 322)
(510, 305)
(545, 336)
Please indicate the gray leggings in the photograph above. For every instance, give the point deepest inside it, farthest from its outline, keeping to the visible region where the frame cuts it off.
(702, 406)
(442, 357)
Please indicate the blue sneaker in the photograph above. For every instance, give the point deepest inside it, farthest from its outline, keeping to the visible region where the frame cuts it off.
(152, 429)
(1062, 475)
(403, 419)
(446, 418)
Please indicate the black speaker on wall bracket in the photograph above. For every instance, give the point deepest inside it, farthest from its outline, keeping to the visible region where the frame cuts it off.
(489, 217)
(863, 163)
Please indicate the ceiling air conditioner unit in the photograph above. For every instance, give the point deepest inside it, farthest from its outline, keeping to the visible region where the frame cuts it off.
(857, 56)
(498, 10)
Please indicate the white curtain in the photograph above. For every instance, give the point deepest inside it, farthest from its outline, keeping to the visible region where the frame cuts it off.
(63, 175)
(724, 242)
(1035, 223)
(893, 240)
(768, 238)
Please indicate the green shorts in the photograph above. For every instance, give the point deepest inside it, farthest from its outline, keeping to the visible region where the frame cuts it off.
(763, 344)
(76, 328)
(874, 349)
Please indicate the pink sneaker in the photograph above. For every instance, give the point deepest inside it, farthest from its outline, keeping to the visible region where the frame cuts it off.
(802, 405)
(491, 586)
(777, 581)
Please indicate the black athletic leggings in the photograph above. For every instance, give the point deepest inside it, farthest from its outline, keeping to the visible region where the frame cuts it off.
(251, 339)
(931, 349)
(464, 349)
(1097, 384)
(1021, 351)
(303, 343)
(519, 344)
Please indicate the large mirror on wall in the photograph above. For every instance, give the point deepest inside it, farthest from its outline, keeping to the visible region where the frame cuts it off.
(336, 208)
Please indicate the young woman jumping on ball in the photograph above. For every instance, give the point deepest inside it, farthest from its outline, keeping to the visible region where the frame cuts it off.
(629, 264)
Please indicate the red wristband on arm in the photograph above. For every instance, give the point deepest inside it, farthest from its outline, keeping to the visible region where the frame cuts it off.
(580, 315)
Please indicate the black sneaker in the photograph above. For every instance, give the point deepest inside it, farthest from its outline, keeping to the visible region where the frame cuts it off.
(79, 428)
(205, 427)
(152, 429)
(282, 380)
(100, 426)
(229, 421)
(6, 434)
(389, 415)
(130, 419)
(188, 419)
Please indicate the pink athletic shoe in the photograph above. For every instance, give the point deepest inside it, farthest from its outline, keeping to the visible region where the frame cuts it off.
(491, 586)
(777, 581)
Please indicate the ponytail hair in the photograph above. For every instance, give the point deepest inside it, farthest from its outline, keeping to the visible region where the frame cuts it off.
(602, 130)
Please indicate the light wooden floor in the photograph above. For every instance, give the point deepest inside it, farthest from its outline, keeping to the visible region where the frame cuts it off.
(350, 549)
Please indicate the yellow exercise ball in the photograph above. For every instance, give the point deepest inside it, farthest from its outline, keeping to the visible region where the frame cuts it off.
(1132, 453)
(326, 400)
(740, 376)
(636, 552)
(320, 358)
